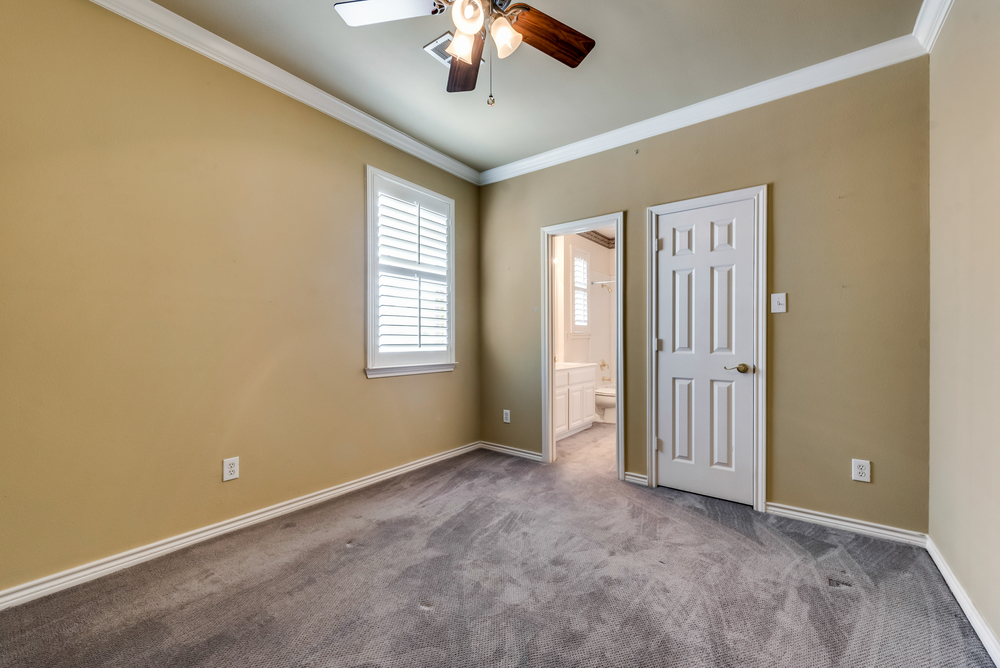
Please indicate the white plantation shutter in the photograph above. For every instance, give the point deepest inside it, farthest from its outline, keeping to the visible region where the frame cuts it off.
(580, 294)
(410, 261)
(412, 277)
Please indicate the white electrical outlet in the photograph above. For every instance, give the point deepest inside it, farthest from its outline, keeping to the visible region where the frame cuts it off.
(506, 416)
(861, 470)
(230, 469)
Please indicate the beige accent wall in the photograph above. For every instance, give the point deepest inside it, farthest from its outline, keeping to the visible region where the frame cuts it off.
(965, 300)
(849, 242)
(182, 280)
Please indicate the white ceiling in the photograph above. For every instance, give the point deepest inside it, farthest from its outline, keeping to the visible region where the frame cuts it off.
(652, 57)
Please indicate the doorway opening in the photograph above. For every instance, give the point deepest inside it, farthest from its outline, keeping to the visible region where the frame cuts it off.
(582, 325)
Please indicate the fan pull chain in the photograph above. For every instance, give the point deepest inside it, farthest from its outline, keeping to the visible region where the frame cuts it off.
(490, 101)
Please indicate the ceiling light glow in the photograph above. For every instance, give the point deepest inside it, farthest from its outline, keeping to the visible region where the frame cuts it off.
(461, 47)
(468, 16)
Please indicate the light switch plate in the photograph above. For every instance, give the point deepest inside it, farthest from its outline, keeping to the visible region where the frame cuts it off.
(779, 303)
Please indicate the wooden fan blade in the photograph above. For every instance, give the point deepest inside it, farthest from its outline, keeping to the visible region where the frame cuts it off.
(463, 77)
(552, 37)
(366, 12)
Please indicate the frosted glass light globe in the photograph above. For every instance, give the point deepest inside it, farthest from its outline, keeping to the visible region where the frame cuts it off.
(468, 16)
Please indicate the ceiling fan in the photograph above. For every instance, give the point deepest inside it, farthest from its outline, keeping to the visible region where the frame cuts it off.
(475, 22)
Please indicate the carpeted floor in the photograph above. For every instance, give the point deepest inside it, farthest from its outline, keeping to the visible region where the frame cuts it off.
(489, 560)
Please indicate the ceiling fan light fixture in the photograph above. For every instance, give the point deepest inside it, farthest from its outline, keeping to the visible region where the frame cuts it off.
(507, 39)
(461, 47)
(468, 16)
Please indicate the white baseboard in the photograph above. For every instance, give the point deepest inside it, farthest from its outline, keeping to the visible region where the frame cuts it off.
(507, 450)
(637, 478)
(848, 524)
(87, 572)
(986, 634)
(982, 627)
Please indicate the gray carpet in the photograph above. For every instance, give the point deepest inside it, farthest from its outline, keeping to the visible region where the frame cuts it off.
(489, 560)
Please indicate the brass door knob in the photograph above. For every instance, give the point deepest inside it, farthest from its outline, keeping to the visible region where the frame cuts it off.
(742, 368)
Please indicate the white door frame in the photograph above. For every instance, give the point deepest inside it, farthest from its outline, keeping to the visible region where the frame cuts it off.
(759, 195)
(548, 391)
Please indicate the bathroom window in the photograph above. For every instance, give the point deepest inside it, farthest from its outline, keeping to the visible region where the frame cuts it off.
(411, 306)
(581, 293)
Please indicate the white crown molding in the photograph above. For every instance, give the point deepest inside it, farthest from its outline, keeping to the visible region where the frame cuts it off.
(930, 21)
(979, 623)
(873, 58)
(848, 524)
(164, 22)
(75, 576)
(507, 450)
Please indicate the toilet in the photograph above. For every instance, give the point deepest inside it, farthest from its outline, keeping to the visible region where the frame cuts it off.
(604, 400)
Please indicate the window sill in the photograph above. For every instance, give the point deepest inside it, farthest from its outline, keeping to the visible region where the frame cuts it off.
(411, 370)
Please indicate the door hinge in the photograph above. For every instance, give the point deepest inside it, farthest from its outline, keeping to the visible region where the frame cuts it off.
(659, 245)
(657, 345)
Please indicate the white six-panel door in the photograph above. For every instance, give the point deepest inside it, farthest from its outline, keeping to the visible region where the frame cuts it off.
(704, 328)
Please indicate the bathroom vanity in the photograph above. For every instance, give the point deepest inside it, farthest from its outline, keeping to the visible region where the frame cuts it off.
(573, 406)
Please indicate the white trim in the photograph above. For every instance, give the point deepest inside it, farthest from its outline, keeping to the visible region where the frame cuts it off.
(164, 22)
(759, 195)
(413, 370)
(930, 21)
(548, 428)
(74, 576)
(860, 62)
(848, 524)
(507, 450)
(637, 478)
(382, 364)
(979, 624)
(986, 634)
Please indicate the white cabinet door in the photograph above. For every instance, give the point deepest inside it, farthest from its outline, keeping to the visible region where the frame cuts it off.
(589, 402)
(575, 406)
(705, 320)
(560, 410)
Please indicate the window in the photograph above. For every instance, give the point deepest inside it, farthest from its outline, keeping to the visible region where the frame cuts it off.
(581, 292)
(411, 306)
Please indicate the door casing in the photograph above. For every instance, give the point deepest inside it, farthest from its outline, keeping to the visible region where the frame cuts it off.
(759, 195)
(548, 391)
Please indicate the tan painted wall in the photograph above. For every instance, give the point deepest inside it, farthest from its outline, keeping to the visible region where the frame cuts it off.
(181, 280)
(965, 300)
(848, 167)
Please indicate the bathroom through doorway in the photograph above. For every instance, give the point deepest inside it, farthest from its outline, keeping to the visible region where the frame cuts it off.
(582, 356)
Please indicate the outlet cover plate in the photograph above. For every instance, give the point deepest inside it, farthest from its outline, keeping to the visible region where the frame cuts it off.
(506, 416)
(861, 470)
(230, 469)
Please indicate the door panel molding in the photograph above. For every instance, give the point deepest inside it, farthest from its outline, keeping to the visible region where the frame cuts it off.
(722, 237)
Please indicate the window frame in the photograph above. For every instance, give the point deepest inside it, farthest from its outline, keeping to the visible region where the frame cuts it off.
(384, 364)
(578, 331)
